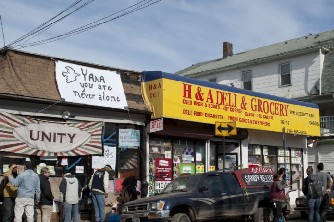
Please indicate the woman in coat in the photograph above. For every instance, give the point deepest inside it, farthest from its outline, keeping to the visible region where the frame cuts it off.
(278, 195)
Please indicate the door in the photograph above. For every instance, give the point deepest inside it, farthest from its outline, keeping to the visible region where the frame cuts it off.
(231, 161)
(211, 198)
(236, 195)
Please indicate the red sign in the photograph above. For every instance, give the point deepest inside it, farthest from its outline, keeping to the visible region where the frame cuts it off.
(163, 169)
(156, 125)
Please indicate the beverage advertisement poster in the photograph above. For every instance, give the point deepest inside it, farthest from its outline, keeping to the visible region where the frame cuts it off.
(163, 169)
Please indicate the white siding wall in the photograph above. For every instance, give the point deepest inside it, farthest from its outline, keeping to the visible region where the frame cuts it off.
(305, 71)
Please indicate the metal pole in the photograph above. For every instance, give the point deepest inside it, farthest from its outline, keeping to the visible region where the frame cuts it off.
(223, 152)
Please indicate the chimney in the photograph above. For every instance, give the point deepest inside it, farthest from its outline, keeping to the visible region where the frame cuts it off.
(227, 49)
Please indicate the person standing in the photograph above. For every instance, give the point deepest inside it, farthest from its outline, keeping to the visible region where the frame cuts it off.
(71, 190)
(9, 194)
(28, 192)
(278, 195)
(46, 201)
(313, 203)
(98, 184)
(327, 183)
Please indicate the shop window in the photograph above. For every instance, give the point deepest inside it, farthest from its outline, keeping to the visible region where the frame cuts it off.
(184, 157)
(200, 156)
(296, 168)
(109, 134)
(128, 151)
(279, 157)
(270, 156)
(160, 164)
(213, 160)
(254, 155)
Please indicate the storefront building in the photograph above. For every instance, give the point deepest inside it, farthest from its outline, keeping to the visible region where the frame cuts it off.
(271, 131)
(70, 115)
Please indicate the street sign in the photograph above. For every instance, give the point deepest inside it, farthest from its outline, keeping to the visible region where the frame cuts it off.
(225, 129)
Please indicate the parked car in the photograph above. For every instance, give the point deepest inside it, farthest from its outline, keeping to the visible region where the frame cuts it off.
(209, 196)
(301, 204)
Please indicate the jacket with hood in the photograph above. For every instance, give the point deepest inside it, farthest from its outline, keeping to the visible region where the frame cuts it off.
(46, 193)
(70, 188)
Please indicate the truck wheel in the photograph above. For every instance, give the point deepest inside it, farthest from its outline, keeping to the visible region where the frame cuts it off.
(180, 217)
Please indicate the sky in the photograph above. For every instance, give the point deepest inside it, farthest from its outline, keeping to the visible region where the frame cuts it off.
(168, 36)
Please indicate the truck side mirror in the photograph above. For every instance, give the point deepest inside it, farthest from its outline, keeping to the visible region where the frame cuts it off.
(203, 188)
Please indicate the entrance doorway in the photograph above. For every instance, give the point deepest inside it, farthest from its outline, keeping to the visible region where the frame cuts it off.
(231, 161)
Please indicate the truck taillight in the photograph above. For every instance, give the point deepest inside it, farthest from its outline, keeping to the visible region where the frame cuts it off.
(331, 201)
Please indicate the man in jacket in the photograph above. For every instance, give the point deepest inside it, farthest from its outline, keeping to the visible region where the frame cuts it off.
(327, 183)
(71, 190)
(98, 184)
(9, 195)
(46, 201)
(28, 193)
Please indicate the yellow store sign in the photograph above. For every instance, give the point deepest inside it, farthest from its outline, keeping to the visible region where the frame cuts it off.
(177, 97)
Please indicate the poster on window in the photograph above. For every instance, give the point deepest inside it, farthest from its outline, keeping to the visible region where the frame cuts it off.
(109, 157)
(129, 138)
(163, 169)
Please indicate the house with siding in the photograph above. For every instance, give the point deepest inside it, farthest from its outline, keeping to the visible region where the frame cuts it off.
(300, 68)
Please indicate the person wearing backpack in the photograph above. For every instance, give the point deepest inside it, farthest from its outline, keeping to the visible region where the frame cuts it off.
(327, 183)
(312, 189)
(98, 184)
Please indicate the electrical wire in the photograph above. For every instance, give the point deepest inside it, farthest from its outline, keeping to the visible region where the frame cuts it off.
(46, 25)
(136, 7)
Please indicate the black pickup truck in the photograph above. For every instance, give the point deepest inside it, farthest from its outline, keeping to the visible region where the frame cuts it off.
(209, 196)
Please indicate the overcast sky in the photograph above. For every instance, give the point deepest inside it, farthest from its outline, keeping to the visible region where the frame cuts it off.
(169, 35)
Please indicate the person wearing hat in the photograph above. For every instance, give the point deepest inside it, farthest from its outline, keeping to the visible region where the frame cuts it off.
(98, 185)
(9, 195)
(327, 183)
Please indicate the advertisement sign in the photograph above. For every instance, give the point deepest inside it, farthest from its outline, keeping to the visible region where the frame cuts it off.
(41, 138)
(187, 168)
(163, 169)
(206, 102)
(109, 157)
(87, 85)
(156, 125)
(129, 138)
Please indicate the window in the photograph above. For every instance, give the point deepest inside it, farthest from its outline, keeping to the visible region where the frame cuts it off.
(247, 79)
(284, 70)
(213, 80)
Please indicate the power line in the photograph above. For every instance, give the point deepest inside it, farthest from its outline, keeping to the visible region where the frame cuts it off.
(46, 25)
(136, 7)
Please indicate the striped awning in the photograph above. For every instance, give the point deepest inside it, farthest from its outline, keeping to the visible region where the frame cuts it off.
(26, 135)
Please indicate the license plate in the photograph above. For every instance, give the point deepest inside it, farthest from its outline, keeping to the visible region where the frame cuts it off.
(135, 219)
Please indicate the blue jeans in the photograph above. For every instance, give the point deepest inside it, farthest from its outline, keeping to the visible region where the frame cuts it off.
(98, 201)
(69, 210)
(313, 206)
